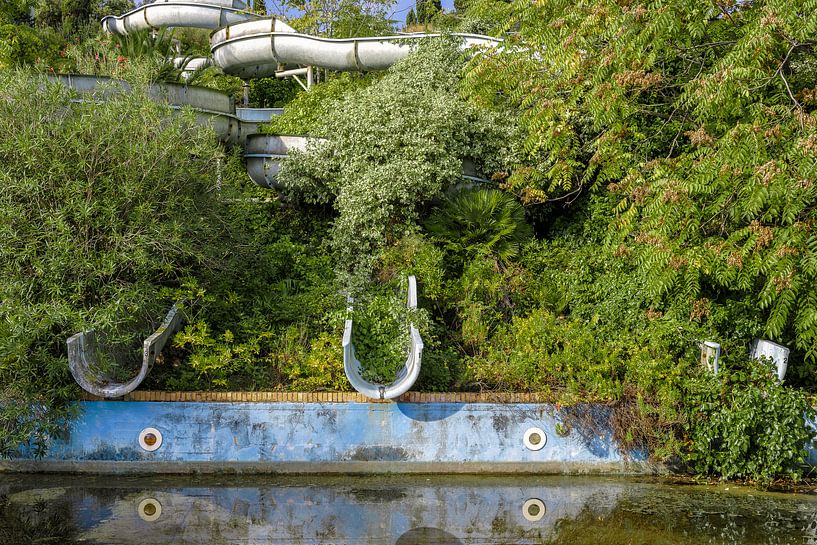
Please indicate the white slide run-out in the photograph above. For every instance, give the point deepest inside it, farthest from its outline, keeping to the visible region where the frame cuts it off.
(248, 45)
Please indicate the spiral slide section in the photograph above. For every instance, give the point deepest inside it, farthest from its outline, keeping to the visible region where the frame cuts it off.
(408, 374)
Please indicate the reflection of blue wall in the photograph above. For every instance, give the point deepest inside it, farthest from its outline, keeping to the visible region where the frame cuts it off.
(332, 432)
(396, 512)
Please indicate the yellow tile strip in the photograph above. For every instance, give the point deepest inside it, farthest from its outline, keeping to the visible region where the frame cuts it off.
(329, 397)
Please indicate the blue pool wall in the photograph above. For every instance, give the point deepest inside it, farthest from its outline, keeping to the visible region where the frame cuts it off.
(336, 437)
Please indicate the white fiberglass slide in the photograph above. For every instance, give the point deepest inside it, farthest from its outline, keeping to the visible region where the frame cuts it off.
(257, 48)
(210, 14)
(248, 45)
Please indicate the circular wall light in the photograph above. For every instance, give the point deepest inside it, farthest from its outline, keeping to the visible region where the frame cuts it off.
(149, 509)
(150, 439)
(535, 438)
(534, 509)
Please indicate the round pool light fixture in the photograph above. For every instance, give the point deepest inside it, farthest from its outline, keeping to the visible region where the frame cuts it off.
(149, 509)
(533, 510)
(150, 439)
(535, 438)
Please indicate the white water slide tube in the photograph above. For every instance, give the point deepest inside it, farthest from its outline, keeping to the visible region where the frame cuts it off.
(408, 374)
(250, 46)
(257, 49)
(156, 14)
(232, 125)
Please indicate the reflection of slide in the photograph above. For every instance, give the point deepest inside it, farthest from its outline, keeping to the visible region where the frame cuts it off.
(408, 374)
(409, 511)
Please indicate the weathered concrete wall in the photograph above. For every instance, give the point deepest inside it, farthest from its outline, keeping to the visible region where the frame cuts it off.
(335, 437)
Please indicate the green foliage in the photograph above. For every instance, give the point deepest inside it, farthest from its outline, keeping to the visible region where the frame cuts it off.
(265, 315)
(259, 6)
(19, 45)
(305, 114)
(103, 204)
(426, 10)
(342, 18)
(273, 92)
(144, 56)
(697, 120)
(381, 336)
(15, 12)
(390, 147)
(745, 424)
(78, 18)
(481, 220)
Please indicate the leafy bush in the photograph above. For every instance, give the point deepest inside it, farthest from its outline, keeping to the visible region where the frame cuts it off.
(481, 220)
(305, 113)
(381, 336)
(697, 120)
(23, 45)
(273, 92)
(103, 204)
(745, 424)
(391, 146)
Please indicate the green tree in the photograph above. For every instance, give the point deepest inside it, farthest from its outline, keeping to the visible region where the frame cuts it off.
(427, 10)
(390, 147)
(120, 205)
(411, 18)
(342, 18)
(697, 125)
(259, 6)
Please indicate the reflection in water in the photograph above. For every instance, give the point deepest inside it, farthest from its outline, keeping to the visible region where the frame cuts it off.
(392, 510)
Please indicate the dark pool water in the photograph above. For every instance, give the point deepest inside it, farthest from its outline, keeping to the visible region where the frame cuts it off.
(394, 510)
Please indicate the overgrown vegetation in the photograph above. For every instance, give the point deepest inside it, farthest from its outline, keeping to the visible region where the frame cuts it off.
(100, 208)
(647, 183)
(392, 146)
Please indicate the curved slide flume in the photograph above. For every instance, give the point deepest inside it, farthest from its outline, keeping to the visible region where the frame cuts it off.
(83, 359)
(256, 49)
(407, 376)
(209, 14)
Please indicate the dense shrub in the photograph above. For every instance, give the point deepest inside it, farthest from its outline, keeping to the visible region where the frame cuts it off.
(697, 119)
(391, 146)
(269, 315)
(101, 206)
(745, 424)
(305, 114)
(480, 220)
